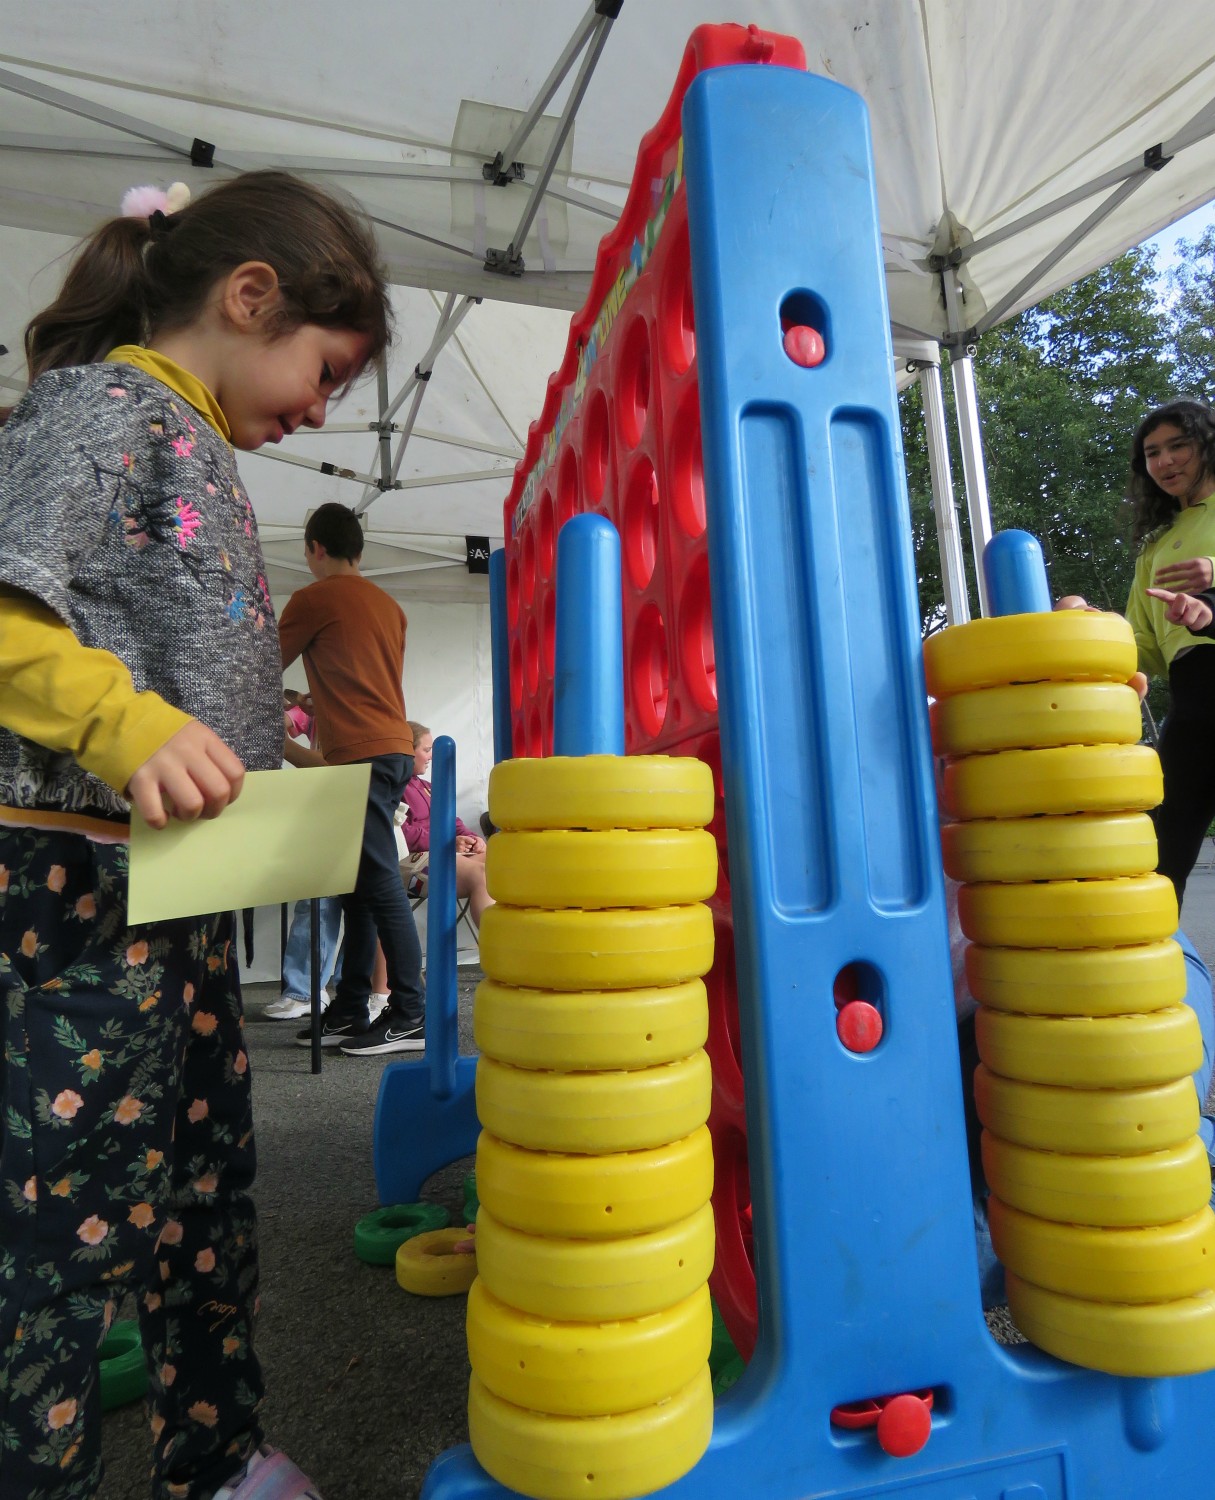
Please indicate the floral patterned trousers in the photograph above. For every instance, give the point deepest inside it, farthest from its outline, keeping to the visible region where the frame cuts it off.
(125, 1162)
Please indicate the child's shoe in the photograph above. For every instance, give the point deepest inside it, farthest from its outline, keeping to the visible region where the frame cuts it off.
(291, 1007)
(269, 1475)
(376, 1006)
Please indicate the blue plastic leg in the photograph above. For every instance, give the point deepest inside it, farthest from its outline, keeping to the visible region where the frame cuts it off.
(426, 1114)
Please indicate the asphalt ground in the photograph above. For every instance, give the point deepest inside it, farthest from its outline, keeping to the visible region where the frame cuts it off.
(366, 1384)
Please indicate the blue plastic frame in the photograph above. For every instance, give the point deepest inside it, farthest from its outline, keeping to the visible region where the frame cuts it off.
(866, 1267)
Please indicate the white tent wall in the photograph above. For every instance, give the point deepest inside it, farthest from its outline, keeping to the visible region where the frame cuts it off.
(1001, 130)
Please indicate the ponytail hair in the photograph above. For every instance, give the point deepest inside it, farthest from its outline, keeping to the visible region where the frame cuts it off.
(138, 277)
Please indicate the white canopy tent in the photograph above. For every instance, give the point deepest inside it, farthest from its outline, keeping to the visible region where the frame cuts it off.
(1018, 145)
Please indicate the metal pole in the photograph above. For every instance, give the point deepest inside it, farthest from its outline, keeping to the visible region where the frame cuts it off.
(949, 540)
(970, 435)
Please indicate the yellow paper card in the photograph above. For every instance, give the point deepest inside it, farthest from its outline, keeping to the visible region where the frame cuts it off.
(289, 835)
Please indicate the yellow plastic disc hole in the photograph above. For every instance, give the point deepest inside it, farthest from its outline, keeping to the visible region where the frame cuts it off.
(607, 1458)
(594, 1197)
(1031, 715)
(586, 1369)
(590, 1029)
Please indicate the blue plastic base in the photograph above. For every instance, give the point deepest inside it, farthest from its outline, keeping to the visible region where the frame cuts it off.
(417, 1133)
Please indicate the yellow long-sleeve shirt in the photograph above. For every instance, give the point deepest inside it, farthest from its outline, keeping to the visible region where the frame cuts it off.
(1192, 534)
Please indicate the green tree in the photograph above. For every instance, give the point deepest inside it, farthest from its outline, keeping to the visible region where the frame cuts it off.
(1191, 303)
(1061, 388)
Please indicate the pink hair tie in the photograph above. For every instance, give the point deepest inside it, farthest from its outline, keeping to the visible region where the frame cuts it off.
(143, 202)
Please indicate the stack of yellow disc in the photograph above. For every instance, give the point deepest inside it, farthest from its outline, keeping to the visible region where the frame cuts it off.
(1100, 1186)
(589, 1325)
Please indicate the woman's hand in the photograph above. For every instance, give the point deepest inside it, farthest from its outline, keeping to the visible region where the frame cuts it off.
(192, 775)
(1190, 576)
(469, 843)
(1184, 609)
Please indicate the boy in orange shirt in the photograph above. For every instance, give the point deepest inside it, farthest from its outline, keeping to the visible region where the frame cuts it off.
(351, 635)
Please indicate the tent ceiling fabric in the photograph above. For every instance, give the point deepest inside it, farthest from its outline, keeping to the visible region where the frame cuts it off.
(983, 112)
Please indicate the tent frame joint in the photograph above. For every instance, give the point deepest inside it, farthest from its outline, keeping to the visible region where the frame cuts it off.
(202, 153)
(506, 262)
(1154, 158)
(500, 174)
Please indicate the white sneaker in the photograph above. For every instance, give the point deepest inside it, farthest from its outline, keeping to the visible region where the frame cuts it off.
(376, 1006)
(291, 1007)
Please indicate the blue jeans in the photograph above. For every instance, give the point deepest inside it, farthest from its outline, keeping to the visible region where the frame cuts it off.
(297, 955)
(378, 906)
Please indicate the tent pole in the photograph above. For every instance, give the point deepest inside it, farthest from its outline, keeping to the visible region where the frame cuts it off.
(510, 152)
(510, 260)
(949, 541)
(970, 433)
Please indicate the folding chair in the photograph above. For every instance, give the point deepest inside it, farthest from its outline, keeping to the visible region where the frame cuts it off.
(417, 892)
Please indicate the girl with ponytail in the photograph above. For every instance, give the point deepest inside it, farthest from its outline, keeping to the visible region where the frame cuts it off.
(139, 665)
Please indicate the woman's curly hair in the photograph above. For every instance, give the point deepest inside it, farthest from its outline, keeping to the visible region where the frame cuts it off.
(1151, 507)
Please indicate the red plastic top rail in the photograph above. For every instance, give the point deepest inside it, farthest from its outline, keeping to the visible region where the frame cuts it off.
(658, 156)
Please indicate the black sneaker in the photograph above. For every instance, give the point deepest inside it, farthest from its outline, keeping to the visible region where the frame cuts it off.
(391, 1033)
(333, 1033)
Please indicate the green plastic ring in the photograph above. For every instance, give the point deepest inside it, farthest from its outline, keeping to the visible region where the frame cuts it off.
(124, 1375)
(379, 1235)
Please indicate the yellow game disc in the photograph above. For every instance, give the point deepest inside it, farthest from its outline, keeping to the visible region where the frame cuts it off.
(1089, 1122)
(624, 1110)
(591, 1281)
(601, 791)
(1070, 913)
(1084, 982)
(1068, 645)
(594, 1197)
(1067, 779)
(1107, 1265)
(605, 868)
(1092, 1052)
(1160, 1338)
(1081, 846)
(590, 1029)
(427, 1265)
(1034, 714)
(1115, 1192)
(596, 950)
(591, 1458)
(586, 1369)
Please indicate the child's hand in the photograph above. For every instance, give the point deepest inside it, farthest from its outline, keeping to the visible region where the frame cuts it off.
(1190, 576)
(1183, 609)
(1137, 680)
(194, 774)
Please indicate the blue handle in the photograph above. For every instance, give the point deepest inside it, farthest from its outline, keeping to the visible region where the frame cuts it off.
(1016, 574)
(588, 703)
